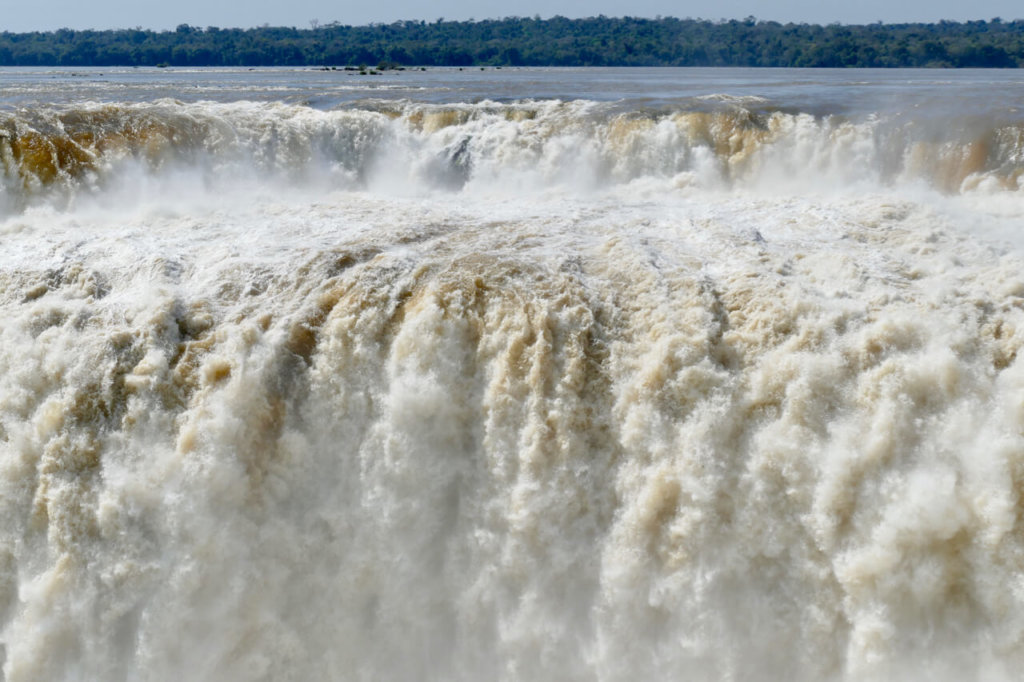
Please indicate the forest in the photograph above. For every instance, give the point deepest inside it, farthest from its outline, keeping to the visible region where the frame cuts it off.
(518, 41)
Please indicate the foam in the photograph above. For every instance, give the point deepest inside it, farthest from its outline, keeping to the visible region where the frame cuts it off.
(82, 153)
(634, 435)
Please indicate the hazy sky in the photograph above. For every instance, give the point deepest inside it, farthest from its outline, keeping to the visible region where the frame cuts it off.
(16, 15)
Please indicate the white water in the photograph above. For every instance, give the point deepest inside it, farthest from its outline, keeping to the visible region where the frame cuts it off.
(119, 154)
(622, 423)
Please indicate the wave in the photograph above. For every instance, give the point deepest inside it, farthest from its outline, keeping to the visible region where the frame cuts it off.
(61, 155)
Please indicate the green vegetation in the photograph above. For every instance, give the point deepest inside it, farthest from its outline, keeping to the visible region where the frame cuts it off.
(598, 41)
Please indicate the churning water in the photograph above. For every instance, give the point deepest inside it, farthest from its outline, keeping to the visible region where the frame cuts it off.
(516, 375)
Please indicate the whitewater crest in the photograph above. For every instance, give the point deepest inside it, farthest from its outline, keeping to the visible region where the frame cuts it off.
(330, 386)
(404, 439)
(60, 155)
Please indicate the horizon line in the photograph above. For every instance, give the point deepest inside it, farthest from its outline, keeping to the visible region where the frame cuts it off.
(316, 24)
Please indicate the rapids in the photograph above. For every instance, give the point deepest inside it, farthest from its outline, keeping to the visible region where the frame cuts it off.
(530, 390)
(63, 155)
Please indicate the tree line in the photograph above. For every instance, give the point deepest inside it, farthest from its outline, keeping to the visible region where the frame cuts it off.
(517, 41)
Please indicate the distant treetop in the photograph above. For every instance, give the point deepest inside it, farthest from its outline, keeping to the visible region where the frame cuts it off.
(516, 41)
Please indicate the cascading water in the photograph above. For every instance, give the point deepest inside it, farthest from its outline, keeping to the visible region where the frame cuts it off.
(60, 154)
(534, 390)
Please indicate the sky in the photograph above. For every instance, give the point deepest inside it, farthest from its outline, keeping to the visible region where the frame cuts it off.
(46, 15)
